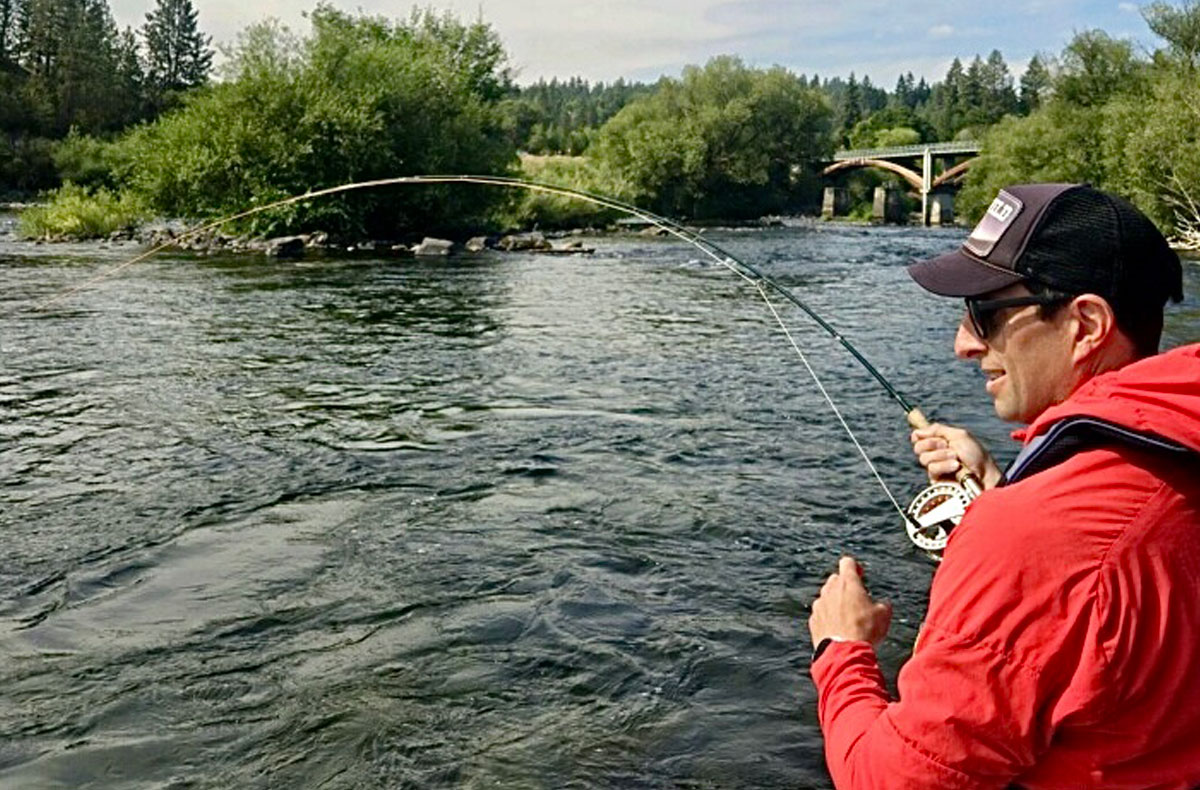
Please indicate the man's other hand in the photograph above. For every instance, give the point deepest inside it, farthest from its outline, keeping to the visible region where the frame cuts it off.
(845, 610)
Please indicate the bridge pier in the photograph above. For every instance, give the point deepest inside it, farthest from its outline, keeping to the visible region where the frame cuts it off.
(888, 205)
(834, 202)
(941, 209)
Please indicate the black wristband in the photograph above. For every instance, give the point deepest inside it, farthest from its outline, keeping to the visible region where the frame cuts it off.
(821, 647)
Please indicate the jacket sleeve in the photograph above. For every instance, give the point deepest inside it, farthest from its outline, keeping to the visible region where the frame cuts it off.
(962, 722)
(977, 697)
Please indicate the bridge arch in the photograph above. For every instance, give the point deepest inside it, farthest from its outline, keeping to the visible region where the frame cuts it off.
(912, 177)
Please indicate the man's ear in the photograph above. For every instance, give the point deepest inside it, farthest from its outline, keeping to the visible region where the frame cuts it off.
(1093, 324)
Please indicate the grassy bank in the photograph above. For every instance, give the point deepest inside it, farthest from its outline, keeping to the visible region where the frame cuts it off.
(72, 212)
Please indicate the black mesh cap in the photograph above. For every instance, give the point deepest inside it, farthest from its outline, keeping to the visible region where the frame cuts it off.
(1070, 237)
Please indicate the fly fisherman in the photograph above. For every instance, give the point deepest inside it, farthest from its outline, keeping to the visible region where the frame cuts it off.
(1062, 644)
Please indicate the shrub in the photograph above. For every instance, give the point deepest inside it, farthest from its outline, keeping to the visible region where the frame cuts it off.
(362, 98)
(72, 212)
(723, 141)
(527, 209)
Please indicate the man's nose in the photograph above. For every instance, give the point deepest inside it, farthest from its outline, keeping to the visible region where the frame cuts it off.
(967, 344)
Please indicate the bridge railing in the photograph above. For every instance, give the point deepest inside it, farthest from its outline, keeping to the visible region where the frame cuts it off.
(901, 151)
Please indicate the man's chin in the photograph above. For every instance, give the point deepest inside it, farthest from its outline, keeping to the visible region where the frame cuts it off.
(1005, 411)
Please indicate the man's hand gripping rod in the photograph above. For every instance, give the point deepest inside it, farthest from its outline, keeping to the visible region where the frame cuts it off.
(940, 506)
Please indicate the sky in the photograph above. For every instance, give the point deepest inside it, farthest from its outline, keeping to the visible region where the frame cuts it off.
(601, 40)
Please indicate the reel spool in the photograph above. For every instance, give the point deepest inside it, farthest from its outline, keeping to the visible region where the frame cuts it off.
(933, 513)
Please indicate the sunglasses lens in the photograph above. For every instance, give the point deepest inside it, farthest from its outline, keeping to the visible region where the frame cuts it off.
(979, 319)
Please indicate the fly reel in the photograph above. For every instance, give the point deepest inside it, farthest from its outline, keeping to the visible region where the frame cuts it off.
(933, 513)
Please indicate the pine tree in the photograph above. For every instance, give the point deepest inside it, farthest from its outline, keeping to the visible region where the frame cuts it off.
(999, 97)
(178, 55)
(921, 93)
(947, 102)
(9, 12)
(852, 105)
(973, 94)
(68, 50)
(1035, 83)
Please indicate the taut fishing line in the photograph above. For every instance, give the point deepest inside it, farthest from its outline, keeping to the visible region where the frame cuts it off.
(927, 520)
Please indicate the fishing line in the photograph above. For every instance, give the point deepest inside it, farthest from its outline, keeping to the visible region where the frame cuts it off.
(719, 255)
(833, 406)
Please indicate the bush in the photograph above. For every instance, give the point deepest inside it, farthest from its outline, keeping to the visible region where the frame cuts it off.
(723, 141)
(72, 212)
(1059, 142)
(27, 163)
(548, 211)
(86, 161)
(361, 99)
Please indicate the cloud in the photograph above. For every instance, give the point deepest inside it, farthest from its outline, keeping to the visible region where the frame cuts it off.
(644, 39)
(1128, 7)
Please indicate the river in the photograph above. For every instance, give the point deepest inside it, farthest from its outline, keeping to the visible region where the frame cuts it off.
(495, 521)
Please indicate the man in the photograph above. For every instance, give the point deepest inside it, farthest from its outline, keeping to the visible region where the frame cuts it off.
(1062, 643)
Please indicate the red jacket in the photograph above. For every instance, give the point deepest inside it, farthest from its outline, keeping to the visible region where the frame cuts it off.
(1062, 644)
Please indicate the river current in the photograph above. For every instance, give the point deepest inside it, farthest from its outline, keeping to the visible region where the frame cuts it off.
(491, 521)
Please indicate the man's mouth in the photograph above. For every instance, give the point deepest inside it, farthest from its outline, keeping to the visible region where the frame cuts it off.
(994, 377)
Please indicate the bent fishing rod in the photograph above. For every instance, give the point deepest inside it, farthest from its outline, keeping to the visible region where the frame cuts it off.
(928, 519)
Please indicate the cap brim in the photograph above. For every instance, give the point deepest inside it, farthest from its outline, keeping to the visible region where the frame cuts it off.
(958, 274)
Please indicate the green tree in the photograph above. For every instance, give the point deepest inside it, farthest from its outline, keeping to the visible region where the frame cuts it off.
(722, 141)
(1096, 67)
(972, 95)
(850, 106)
(1000, 98)
(1060, 142)
(360, 98)
(1179, 26)
(1152, 151)
(945, 107)
(870, 132)
(8, 31)
(70, 52)
(178, 55)
(1035, 85)
(1124, 124)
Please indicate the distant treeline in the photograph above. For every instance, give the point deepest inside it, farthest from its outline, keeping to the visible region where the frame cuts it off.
(364, 97)
(562, 117)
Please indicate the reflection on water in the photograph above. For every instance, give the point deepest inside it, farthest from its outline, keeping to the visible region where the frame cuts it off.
(494, 521)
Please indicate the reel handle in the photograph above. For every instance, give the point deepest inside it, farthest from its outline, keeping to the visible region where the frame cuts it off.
(965, 477)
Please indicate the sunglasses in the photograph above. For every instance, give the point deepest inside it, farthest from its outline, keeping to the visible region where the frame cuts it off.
(982, 312)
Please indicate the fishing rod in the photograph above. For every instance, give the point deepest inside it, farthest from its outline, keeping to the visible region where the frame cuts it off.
(927, 520)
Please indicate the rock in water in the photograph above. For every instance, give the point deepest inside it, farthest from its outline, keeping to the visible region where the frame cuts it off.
(431, 246)
(523, 241)
(477, 244)
(285, 247)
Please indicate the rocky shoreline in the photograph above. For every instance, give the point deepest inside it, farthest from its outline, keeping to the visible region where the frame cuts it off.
(567, 242)
(301, 245)
(177, 235)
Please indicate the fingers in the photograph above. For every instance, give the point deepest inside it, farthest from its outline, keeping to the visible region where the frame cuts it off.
(844, 608)
(940, 463)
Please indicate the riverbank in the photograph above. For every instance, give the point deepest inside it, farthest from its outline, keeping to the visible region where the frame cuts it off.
(180, 236)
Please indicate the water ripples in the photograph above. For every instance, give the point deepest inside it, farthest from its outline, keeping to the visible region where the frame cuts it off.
(496, 521)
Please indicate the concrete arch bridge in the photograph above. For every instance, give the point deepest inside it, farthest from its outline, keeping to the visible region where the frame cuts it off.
(937, 196)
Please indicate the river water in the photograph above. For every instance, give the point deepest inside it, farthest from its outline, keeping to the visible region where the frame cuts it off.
(495, 521)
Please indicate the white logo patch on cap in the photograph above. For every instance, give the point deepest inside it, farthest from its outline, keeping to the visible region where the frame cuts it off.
(999, 217)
